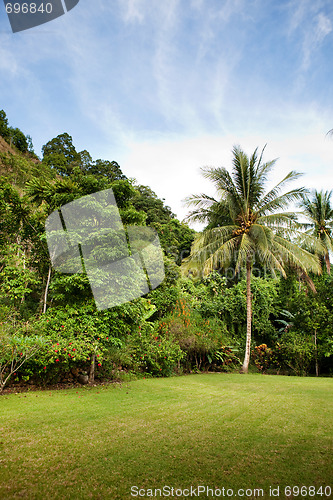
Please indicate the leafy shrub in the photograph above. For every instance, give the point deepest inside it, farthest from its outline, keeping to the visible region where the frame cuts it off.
(263, 357)
(15, 350)
(16, 284)
(296, 352)
(152, 352)
(203, 340)
(166, 295)
(76, 338)
(226, 358)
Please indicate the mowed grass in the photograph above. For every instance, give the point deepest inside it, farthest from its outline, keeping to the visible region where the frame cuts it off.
(218, 430)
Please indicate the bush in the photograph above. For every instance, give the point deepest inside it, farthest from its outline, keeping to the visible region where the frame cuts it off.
(152, 352)
(297, 353)
(15, 350)
(263, 357)
(76, 338)
(202, 340)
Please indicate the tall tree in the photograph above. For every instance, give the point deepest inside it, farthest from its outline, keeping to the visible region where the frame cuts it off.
(146, 199)
(110, 170)
(14, 136)
(18, 139)
(4, 128)
(249, 223)
(60, 154)
(319, 212)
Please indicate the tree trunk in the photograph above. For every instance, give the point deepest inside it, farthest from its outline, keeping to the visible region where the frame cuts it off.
(47, 289)
(92, 369)
(23, 296)
(316, 352)
(327, 262)
(245, 366)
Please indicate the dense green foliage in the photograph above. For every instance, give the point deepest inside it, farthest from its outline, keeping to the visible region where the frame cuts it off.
(187, 324)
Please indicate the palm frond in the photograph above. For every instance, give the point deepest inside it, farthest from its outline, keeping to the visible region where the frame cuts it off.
(319, 213)
(245, 221)
(291, 253)
(200, 199)
(245, 251)
(224, 185)
(271, 203)
(222, 257)
(287, 219)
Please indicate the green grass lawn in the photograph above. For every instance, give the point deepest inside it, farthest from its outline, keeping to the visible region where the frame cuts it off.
(217, 430)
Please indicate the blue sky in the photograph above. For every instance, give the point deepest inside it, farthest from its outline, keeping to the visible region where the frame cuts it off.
(166, 87)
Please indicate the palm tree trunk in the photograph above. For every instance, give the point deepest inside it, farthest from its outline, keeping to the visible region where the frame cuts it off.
(245, 366)
(327, 261)
(316, 352)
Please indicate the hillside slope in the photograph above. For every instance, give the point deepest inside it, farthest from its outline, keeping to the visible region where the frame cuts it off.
(18, 168)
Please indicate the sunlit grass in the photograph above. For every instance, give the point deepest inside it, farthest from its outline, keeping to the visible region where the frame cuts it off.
(219, 430)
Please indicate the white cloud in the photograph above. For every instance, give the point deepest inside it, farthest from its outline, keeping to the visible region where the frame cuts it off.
(324, 27)
(171, 166)
(161, 88)
(309, 26)
(229, 8)
(133, 10)
(163, 60)
(193, 66)
(314, 38)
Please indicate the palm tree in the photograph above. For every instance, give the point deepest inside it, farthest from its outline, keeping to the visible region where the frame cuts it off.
(319, 212)
(247, 223)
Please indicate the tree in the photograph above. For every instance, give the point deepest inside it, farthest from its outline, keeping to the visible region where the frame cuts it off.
(85, 161)
(4, 129)
(30, 144)
(252, 224)
(110, 170)
(319, 212)
(60, 154)
(146, 199)
(18, 139)
(13, 136)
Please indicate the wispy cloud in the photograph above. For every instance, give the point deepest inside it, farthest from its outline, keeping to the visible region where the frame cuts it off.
(310, 22)
(159, 162)
(133, 10)
(193, 61)
(322, 27)
(165, 87)
(8, 66)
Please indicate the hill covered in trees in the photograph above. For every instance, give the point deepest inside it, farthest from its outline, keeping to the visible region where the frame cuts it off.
(51, 330)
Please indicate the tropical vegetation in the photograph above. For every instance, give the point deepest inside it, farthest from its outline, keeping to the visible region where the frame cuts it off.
(251, 291)
(248, 224)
